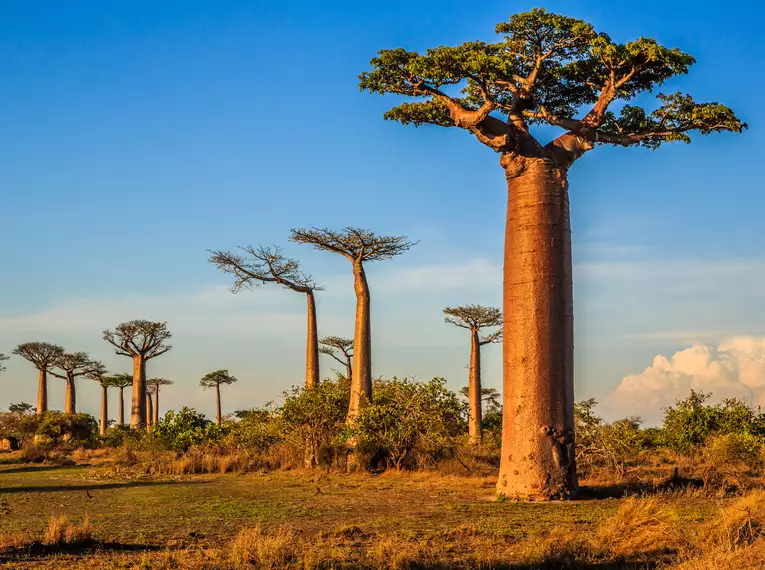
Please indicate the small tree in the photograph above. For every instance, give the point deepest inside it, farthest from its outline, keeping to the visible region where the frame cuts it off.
(557, 71)
(214, 380)
(332, 345)
(141, 340)
(122, 381)
(268, 265)
(154, 385)
(474, 318)
(358, 246)
(98, 374)
(43, 355)
(73, 365)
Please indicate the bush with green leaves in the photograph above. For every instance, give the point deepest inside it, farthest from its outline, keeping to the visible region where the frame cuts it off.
(19, 424)
(408, 420)
(180, 430)
(256, 431)
(75, 429)
(691, 422)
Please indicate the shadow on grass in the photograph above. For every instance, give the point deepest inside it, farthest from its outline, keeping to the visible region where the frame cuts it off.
(81, 548)
(33, 468)
(94, 486)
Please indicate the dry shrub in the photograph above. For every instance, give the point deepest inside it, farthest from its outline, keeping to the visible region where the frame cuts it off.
(641, 526)
(13, 540)
(557, 549)
(272, 550)
(396, 553)
(61, 531)
(751, 557)
(739, 524)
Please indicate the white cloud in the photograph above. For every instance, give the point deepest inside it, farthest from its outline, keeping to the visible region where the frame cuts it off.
(735, 368)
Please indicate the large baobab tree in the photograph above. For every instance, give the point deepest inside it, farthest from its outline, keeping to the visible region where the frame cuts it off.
(43, 355)
(98, 374)
(474, 318)
(73, 365)
(122, 381)
(269, 265)
(358, 246)
(332, 345)
(215, 380)
(141, 340)
(154, 385)
(546, 69)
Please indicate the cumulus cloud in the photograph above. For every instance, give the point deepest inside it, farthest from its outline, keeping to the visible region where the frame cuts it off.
(735, 368)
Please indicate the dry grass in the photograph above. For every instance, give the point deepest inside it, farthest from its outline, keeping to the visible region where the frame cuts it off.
(62, 531)
(273, 550)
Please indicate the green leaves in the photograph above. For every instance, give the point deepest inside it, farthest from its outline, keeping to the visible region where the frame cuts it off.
(421, 112)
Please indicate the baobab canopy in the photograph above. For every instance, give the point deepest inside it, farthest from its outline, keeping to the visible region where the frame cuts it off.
(544, 70)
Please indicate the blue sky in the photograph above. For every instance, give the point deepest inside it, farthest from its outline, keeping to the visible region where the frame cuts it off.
(136, 135)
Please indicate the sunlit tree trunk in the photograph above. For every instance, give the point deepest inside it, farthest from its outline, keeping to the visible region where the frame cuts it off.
(70, 405)
(537, 437)
(138, 410)
(122, 406)
(218, 415)
(156, 406)
(42, 393)
(104, 410)
(149, 410)
(474, 389)
(361, 381)
(312, 345)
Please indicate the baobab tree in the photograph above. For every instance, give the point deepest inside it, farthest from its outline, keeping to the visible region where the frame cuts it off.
(474, 318)
(544, 71)
(3, 358)
(154, 385)
(149, 407)
(43, 355)
(141, 340)
(215, 380)
(269, 265)
(332, 345)
(73, 365)
(358, 246)
(122, 381)
(98, 374)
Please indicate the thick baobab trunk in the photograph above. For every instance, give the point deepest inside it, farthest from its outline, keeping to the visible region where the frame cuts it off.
(138, 409)
(218, 415)
(312, 345)
(361, 381)
(70, 405)
(149, 411)
(537, 459)
(42, 393)
(104, 410)
(474, 389)
(122, 406)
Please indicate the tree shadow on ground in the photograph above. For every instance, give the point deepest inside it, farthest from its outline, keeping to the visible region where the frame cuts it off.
(94, 486)
(32, 468)
(81, 548)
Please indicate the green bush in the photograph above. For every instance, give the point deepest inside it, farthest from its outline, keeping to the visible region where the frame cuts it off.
(180, 430)
(409, 419)
(75, 429)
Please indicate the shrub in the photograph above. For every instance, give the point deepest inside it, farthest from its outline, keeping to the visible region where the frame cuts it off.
(180, 430)
(264, 550)
(409, 418)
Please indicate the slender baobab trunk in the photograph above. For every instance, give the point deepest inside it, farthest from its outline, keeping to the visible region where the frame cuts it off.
(156, 406)
(70, 405)
(138, 411)
(149, 411)
(42, 393)
(312, 345)
(361, 381)
(219, 415)
(348, 369)
(474, 389)
(122, 406)
(538, 422)
(104, 410)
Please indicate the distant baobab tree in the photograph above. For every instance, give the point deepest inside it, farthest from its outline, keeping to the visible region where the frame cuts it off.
(122, 381)
(2, 359)
(154, 385)
(141, 340)
(215, 380)
(474, 318)
(331, 345)
(358, 246)
(269, 265)
(545, 70)
(149, 406)
(98, 374)
(489, 396)
(43, 355)
(73, 365)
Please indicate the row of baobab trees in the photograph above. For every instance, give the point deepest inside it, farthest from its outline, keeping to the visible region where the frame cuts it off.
(144, 340)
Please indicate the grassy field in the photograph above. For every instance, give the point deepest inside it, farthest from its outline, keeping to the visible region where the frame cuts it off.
(406, 520)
